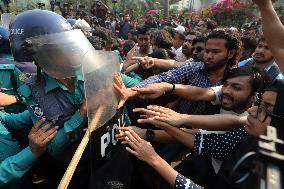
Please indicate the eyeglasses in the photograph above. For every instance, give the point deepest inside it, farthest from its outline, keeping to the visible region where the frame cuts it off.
(263, 113)
(198, 49)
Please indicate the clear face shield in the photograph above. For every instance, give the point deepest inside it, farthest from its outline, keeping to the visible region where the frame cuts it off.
(60, 55)
(98, 70)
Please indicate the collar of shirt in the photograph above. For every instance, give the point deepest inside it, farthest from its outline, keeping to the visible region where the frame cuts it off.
(52, 83)
(177, 50)
(269, 67)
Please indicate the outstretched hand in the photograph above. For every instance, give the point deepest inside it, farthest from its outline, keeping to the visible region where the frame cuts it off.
(140, 148)
(160, 116)
(153, 91)
(122, 92)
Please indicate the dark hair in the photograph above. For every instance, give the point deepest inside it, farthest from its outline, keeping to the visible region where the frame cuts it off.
(143, 30)
(159, 53)
(170, 30)
(249, 43)
(233, 42)
(129, 44)
(97, 42)
(162, 39)
(258, 79)
(199, 39)
(104, 34)
(210, 24)
(261, 39)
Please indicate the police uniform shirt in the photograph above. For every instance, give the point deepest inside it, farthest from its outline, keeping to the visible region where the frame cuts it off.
(10, 74)
(14, 161)
(61, 139)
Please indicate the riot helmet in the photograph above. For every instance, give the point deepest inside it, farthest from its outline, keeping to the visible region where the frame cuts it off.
(4, 40)
(30, 24)
(49, 41)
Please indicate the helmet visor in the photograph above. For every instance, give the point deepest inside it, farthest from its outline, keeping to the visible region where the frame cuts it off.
(60, 54)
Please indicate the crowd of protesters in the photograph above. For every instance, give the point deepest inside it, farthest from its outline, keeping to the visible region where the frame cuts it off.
(192, 92)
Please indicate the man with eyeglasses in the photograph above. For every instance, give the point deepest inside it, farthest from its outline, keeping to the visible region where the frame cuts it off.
(198, 48)
(235, 97)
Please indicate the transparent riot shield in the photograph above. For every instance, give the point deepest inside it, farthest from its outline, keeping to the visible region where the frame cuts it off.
(98, 69)
(60, 54)
(6, 19)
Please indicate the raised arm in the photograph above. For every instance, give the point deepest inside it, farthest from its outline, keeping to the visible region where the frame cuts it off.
(210, 122)
(273, 30)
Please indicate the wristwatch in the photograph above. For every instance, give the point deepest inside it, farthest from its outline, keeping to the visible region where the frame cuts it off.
(150, 135)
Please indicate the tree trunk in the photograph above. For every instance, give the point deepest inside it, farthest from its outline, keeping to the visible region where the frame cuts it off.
(166, 8)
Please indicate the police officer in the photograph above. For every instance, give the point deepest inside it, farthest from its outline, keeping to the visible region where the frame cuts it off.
(12, 76)
(56, 93)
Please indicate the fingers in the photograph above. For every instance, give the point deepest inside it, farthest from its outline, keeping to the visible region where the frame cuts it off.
(158, 109)
(46, 127)
(117, 79)
(132, 151)
(157, 123)
(135, 135)
(49, 135)
(131, 142)
(137, 58)
(146, 111)
(37, 125)
(161, 118)
(142, 90)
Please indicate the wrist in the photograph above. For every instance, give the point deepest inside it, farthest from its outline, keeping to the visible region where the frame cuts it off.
(130, 93)
(171, 89)
(155, 160)
(37, 152)
(184, 119)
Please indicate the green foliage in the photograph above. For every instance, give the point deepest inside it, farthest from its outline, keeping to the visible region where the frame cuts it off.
(280, 13)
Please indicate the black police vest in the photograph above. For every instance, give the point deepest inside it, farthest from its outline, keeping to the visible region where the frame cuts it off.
(53, 104)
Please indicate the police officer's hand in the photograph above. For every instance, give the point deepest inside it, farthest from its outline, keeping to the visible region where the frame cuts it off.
(6, 100)
(83, 109)
(39, 137)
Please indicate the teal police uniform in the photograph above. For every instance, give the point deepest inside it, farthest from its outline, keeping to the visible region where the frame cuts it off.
(68, 128)
(11, 78)
(14, 161)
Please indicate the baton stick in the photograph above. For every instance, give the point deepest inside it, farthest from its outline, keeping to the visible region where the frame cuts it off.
(78, 154)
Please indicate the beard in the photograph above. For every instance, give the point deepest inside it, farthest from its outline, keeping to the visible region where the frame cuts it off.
(216, 66)
(236, 106)
(265, 61)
